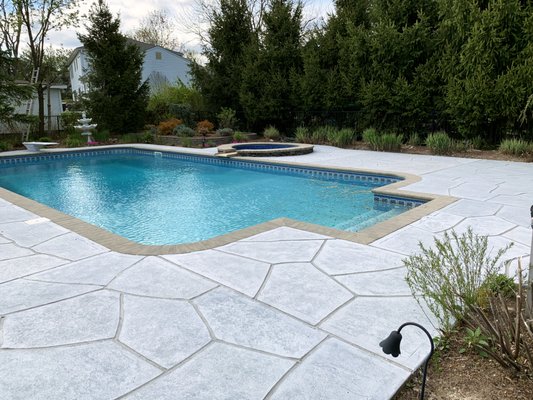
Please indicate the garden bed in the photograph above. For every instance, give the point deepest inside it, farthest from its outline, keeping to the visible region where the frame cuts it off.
(466, 376)
(196, 141)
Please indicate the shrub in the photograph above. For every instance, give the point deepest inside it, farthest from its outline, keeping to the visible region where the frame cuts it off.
(516, 147)
(302, 135)
(167, 127)
(240, 137)
(181, 111)
(322, 134)
(451, 275)
(184, 131)
(508, 330)
(204, 127)
(211, 143)
(225, 132)
(342, 138)
(440, 143)
(45, 139)
(226, 118)
(101, 136)
(501, 284)
(177, 101)
(186, 142)
(5, 146)
(75, 141)
(131, 138)
(147, 137)
(271, 133)
(68, 120)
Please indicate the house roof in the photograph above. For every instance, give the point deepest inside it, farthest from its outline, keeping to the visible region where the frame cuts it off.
(141, 45)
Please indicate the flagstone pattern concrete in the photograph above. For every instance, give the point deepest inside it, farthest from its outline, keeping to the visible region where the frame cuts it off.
(284, 314)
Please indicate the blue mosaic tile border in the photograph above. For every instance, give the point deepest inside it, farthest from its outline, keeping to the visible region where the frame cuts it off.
(319, 173)
(381, 199)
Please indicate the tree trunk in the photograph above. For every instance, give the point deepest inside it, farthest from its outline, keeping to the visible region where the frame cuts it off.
(40, 98)
(49, 110)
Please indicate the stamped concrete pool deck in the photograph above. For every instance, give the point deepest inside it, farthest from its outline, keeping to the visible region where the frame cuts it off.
(284, 314)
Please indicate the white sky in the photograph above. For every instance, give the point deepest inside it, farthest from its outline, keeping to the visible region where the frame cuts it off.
(131, 12)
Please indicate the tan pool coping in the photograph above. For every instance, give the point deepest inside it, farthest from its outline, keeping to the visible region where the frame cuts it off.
(120, 244)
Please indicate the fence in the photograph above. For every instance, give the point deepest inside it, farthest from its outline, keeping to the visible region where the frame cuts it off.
(19, 128)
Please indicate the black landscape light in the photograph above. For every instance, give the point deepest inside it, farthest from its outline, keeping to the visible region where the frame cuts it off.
(391, 346)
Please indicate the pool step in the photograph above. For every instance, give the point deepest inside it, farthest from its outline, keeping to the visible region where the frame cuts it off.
(365, 220)
(355, 221)
(227, 155)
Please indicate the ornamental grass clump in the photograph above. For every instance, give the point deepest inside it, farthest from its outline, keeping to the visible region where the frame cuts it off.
(342, 137)
(440, 143)
(516, 147)
(382, 141)
(322, 134)
(271, 133)
(302, 135)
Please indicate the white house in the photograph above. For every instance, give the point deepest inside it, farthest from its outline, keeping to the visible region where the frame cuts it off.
(52, 113)
(161, 66)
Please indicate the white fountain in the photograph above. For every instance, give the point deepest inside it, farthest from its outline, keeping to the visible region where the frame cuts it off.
(85, 127)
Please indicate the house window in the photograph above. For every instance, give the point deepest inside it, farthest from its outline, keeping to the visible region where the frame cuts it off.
(158, 55)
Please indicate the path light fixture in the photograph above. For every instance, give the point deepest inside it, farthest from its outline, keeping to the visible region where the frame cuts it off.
(391, 345)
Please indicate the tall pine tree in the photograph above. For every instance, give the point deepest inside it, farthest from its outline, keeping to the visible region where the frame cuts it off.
(117, 98)
(229, 35)
(272, 68)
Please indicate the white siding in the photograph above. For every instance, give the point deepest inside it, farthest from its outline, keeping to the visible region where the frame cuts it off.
(171, 66)
(56, 110)
(77, 69)
(168, 67)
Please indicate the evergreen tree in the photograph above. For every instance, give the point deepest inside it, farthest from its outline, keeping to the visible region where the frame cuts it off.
(489, 79)
(272, 67)
(229, 35)
(11, 94)
(117, 98)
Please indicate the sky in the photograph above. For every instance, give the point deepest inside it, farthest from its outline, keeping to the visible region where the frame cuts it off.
(131, 13)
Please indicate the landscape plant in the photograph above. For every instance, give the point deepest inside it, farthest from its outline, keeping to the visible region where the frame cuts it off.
(271, 133)
(5, 145)
(507, 327)
(224, 132)
(382, 141)
(184, 131)
(302, 135)
(118, 98)
(414, 139)
(240, 137)
(450, 273)
(321, 134)
(440, 143)
(342, 137)
(227, 118)
(516, 147)
(167, 127)
(204, 127)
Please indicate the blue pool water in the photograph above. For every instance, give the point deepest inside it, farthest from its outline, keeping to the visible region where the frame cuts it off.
(158, 200)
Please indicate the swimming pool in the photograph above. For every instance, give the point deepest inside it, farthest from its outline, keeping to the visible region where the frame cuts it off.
(159, 198)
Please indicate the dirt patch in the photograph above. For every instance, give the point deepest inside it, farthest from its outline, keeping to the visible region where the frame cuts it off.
(467, 376)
